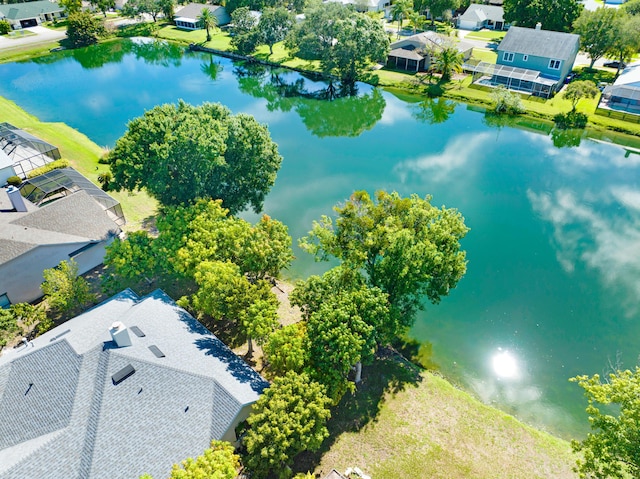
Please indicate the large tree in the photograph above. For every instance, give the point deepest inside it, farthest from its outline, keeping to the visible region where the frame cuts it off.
(447, 60)
(64, 289)
(439, 8)
(180, 153)
(557, 15)
(274, 25)
(405, 246)
(84, 29)
(399, 10)
(344, 41)
(612, 449)
(597, 32)
(217, 462)
(577, 90)
(208, 20)
(288, 418)
(626, 38)
(103, 5)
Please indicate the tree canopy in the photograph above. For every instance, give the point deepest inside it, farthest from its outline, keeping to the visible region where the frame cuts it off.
(343, 40)
(577, 90)
(557, 15)
(209, 21)
(612, 450)
(180, 153)
(84, 29)
(406, 247)
(288, 418)
(217, 462)
(274, 25)
(64, 289)
(597, 31)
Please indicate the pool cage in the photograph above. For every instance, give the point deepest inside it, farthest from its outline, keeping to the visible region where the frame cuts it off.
(513, 78)
(622, 97)
(65, 181)
(26, 151)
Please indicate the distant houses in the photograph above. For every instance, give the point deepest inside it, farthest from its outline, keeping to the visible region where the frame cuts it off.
(623, 96)
(31, 14)
(479, 16)
(188, 17)
(415, 53)
(127, 388)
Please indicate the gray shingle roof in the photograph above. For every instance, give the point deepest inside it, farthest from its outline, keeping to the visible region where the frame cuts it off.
(193, 11)
(21, 11)
(78, 424)
(74, 219)
(478, 12)
(540, 43)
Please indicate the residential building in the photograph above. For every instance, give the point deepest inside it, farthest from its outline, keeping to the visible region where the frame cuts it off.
(188, 17)
(31, 14)
(479, 16)
(623, 97)
(415, 53)
(127, 388)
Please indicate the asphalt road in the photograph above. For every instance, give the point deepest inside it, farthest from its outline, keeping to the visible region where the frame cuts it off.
(42, 35)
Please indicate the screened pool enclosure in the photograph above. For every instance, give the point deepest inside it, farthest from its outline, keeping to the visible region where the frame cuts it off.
(65, 181)
(512, 78)
(25, 150)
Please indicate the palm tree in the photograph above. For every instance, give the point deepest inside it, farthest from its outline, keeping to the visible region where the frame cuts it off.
(416, 20)
(398, 11)
(447, 61)
(208, 20)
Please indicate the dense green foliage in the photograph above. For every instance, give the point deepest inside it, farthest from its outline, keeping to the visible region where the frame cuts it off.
(288, 418)
(632, 7)
(84, 29)
(344, 41)
(274, 25)
(447, 61)
(64, 290)
(440, 8)
(243, 20)
(103, 5)
(180, 153)
(626, 37)
(135, 8)
(506, 101)
(406, 247)
(596, 30)
(71, 6)
(286, 349)
(557, 15)
(612, 450)
(577, 90)
(5, 27)
(54, 165)
(217, 462)
(18, 320)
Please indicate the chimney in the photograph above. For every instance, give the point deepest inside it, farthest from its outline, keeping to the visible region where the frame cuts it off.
(538, 26)
(17, 201)
(120, 334)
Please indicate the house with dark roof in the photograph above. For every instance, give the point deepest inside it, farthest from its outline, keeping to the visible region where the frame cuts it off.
(34, 238)
(188, 17)
(479, 16)
(623, 97)
(129, 387)
(415, 53)
(30, 14)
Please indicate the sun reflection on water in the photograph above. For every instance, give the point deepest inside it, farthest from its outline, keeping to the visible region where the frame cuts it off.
(505, 365)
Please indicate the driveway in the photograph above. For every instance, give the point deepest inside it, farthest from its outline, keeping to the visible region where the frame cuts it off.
(42, 35)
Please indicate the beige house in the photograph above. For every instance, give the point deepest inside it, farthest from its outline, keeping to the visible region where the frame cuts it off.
(415, 53)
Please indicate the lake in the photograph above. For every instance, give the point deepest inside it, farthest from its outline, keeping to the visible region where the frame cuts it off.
(553, 282)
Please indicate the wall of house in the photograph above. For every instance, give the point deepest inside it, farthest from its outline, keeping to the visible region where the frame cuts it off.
(21, 277)
(230, 435)
(469, 25)
(4, 174)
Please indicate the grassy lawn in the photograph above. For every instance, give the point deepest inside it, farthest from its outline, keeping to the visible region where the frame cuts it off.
(25, 52)
(83, 155)
(484, 55)
(402, 423)
(488, 35)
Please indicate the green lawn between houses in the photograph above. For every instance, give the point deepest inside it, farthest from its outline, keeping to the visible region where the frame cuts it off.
(83, 155)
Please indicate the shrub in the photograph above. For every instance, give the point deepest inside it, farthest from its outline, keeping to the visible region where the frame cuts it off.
(5, 27)
(572, 119)
(507, 102)
(104, 179)
(54, 165)
(246, 43)
(14, 180)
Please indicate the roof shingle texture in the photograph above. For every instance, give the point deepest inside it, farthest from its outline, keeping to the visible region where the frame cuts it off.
(75, 423)
(21, 11)
(540, 43)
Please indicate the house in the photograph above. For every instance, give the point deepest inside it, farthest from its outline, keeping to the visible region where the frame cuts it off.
(25, 151)
(414, 53)
(33, 238)
(531, 61)
(188, 17)
(624, 94)
(479, 16)
(31, 14)
(366, 5)
(129, 387)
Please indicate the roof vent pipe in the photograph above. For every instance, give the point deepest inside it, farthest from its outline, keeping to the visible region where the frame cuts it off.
(17, 201)
(120, 334)
(538, 26)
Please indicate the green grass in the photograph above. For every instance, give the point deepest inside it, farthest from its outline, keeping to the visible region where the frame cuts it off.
(25, 52)
(403, 423)
(83, 155)
(488, 35)
(484, 55)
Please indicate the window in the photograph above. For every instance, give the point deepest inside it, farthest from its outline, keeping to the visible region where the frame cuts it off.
(4, 301)
(554, 64)
(507, 56)
(525, 58)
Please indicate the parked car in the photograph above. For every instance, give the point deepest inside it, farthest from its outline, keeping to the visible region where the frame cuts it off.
(615, 64)
(570, 77)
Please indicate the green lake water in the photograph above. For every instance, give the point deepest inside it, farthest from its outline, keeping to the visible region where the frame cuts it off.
(553, 282)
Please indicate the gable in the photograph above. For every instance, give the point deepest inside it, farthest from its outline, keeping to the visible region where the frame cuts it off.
(540, 43)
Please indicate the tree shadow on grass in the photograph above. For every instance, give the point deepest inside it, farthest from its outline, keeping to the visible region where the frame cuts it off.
(389, 373)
